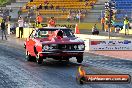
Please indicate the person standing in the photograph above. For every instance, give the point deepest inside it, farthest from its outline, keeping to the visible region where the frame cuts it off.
(95, 30)
(69, 17)
(20, 24)
(126, 24)
(51, 6)
(38, 25)
(52, 22)
(3, 29)
(103, 23)
(39, 19)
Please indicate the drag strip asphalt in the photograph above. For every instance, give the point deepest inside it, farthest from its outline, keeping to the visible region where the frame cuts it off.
(16, 72)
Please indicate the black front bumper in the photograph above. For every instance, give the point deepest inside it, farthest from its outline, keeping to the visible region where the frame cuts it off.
(61, 53)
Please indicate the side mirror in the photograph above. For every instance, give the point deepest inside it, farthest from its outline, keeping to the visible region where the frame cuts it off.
(73, 34)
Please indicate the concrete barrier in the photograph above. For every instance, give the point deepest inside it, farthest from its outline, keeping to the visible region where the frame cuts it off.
(129, 31)
(26, 32)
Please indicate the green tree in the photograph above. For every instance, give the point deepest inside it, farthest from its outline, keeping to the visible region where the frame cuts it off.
(3, 2)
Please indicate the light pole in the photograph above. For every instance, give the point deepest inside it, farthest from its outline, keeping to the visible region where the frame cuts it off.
(79, 15)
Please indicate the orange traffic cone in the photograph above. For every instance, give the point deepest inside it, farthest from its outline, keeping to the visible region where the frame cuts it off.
(77, 29)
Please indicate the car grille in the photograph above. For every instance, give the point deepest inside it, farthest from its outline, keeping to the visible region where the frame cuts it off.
(65, 47)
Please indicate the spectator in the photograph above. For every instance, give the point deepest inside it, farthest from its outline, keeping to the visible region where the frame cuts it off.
(34, 7)
(103, 22)
(126, 24)
(92, 5)
(27, 7)
(68, 17)
(31, 12)
(106, 26)
(86, 3)
(51, 6)
(77, 17)
(26, 24)
(117, 29)
(40, 6)
(46, 6)
(52, 22)
(38, 25)
(63, 9)
(39, 19)
(74, 16)
(57, 7)
(8, 18)
(3, 29)
(28, 14)
(20, 24)
(83, 11)
(13, 28)
(95, 31)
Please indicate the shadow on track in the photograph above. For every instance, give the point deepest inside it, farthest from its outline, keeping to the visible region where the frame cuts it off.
(55, 64)
(60, 64)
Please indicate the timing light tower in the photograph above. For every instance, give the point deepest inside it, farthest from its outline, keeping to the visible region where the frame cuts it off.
(110, 7)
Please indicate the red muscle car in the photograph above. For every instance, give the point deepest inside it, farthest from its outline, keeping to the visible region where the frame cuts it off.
(58, 43)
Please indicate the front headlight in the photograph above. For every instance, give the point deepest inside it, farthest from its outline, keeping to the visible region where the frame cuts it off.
(45, 47)
(75, 47)
(81, 47)
(51, 47)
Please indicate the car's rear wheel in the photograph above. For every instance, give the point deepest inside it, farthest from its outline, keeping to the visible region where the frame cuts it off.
(79, 59)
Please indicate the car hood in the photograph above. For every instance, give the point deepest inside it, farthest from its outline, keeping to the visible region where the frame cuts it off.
(64, 40)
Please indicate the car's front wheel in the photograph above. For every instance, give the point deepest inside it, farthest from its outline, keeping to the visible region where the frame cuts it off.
(79, 59)
(28, 56)
(39, 60)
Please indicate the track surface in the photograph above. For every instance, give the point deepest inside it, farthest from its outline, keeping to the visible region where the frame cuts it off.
(16, 72)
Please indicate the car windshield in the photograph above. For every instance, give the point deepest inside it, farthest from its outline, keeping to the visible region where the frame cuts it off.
(43, 33)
